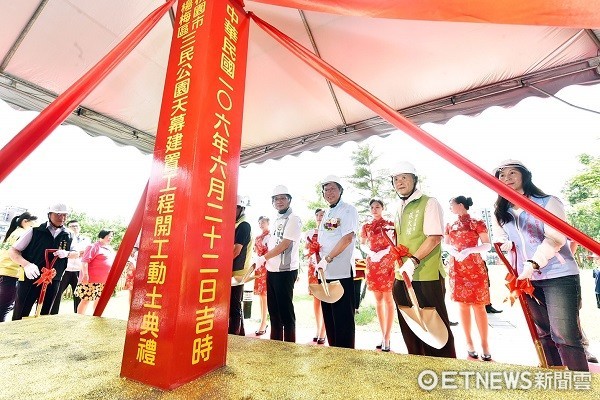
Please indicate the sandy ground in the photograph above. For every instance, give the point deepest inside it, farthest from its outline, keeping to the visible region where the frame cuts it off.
(509, 338)
(79, 357)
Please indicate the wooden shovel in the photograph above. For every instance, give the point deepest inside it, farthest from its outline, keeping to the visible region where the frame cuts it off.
(246, 278)
(425, 322)
(327, 292)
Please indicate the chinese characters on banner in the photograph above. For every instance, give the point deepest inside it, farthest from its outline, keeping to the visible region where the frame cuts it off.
(177, 328)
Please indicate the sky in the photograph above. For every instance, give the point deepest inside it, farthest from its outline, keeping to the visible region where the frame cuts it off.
(106, 180)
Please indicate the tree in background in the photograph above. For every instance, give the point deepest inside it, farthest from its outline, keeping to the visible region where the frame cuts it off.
(583, 194)
(369, 182)
(313, 205)
(91, 227)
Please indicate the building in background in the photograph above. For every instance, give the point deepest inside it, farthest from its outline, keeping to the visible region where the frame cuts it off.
(7, 213)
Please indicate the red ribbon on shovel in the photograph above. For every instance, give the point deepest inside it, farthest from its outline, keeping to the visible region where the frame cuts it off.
(398, 251)
(314, 247)
(47, 274)
(518, 289)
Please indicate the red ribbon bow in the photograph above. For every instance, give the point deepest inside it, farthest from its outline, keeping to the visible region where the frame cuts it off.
(314, 247)
(518, 287)
(48, 273)
(46, 276)
(399, 251)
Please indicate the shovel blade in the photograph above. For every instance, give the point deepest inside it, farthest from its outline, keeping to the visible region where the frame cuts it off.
(334, 288)
(427, 324)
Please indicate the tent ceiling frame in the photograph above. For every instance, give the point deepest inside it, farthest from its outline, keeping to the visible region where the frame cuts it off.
(421, 113)
(594, 34)
(318, 54)
(26, 95)
(13, 49)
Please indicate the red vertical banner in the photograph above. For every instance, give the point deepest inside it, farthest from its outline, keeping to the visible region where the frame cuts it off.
(177, 329)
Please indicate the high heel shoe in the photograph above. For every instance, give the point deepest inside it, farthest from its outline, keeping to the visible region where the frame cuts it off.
(321, 340)
(473, 354)
(315, 339)
(486, 357)
(260, 333)
(385, 347)
(379, 346)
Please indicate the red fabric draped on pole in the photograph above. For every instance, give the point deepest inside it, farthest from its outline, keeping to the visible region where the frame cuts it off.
(572, 13)
(129, 239)
(40, 128)
(403, 124)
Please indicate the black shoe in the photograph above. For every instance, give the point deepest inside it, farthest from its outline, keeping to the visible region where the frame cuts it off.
(453, 323)
(491, 310)
(486, 357)
(379, 346)
(590, 357)
(321, 340)
(473, 354)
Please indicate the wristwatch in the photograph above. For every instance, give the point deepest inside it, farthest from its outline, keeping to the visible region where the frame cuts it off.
(536, 266)
(328, 259)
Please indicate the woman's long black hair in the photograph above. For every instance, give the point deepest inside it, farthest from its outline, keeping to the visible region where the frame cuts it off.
(16, 222)
(529, 189)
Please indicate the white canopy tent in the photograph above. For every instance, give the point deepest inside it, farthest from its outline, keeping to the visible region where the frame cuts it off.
(428, 70)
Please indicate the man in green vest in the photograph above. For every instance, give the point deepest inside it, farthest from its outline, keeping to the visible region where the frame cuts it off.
(420, 227)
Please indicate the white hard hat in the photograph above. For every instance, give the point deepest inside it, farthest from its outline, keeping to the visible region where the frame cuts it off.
(331, 178)
(403, 167)
(509, 163)
(59, 208)
(242, 201)
(280, 189)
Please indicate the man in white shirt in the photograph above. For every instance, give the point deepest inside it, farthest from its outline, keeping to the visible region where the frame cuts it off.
(282, 262)
(71, 275)
(337, 234)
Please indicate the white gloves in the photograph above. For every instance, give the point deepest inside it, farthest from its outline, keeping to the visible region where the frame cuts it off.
(450, 249)
(408, 267)
(31, 271)
(506, 246)
(322, 265)
(61, 253)
(461, 255)
(527, 272)
(377, 256)
(260, 262)
(482, 248)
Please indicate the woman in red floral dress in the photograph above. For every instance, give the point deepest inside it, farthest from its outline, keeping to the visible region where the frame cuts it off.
(312, 262)
(380, 269)
(469, 283)
(260, 282)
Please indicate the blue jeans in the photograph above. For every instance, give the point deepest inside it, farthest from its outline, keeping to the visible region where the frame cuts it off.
(557, 321)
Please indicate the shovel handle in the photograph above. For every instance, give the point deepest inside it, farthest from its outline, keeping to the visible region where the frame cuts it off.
(407, 280)
(323, 282)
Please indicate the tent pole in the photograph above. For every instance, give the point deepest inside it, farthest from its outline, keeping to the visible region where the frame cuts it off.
(129, 239)
(427, 140)
(42, 126)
